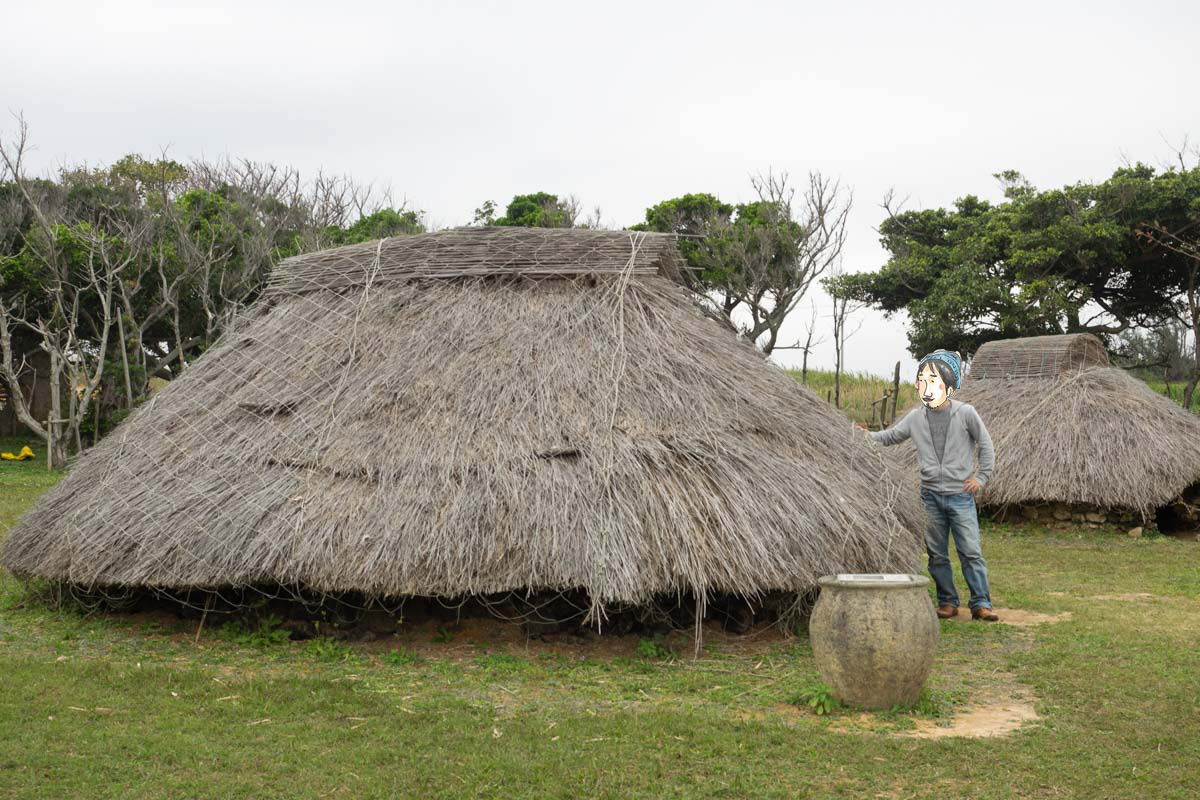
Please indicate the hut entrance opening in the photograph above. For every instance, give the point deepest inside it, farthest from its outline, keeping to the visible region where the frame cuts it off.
(1181, 517)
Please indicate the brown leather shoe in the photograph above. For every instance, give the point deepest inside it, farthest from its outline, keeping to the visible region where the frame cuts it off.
(947, 612)
(985, 614)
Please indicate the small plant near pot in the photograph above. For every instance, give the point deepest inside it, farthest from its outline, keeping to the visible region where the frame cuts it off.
(819, 698)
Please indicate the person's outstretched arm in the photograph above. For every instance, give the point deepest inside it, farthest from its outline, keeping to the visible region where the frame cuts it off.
(896, 434)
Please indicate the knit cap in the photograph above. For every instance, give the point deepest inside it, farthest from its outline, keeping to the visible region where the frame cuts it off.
(951, 359)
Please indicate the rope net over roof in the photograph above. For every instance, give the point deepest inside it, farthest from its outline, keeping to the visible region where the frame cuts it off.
(478, 252)
(1037, 357)
(470, 413)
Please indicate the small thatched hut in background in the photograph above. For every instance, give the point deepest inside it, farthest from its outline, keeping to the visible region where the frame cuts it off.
(473, 412)
(1077, 439)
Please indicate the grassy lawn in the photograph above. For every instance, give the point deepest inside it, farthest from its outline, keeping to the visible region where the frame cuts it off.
(136, 706)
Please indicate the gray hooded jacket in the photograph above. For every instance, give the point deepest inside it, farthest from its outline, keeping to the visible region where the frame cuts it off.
(966, 431)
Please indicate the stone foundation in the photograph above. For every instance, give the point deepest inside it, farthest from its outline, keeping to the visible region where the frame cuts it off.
(1079, 514)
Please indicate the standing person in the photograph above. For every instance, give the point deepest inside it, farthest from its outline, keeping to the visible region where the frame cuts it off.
(946, 433)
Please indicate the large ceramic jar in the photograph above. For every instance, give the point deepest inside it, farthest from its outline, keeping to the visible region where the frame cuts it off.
(874, 637)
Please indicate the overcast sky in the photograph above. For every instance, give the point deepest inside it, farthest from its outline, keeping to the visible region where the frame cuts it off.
(621, 104)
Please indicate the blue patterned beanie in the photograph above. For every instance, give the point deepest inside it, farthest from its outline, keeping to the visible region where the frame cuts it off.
(948, 358)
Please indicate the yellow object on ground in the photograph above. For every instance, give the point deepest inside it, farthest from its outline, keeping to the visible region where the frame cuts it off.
(25, 453)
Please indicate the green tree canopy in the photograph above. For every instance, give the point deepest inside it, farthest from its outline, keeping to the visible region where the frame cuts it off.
(1054, 261)
(537, 210)
(383, 223)
(693, 217)
(760, 256)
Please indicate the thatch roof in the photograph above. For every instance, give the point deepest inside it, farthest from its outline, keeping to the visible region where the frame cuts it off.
(1037, 357)
(1067, 427)
(560, 415)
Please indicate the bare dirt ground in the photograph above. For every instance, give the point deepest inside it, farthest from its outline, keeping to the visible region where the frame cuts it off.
(1001, 714)
(1000, 708)
(1014, 616)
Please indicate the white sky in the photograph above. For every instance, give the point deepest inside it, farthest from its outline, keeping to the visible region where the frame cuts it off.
(621, 104)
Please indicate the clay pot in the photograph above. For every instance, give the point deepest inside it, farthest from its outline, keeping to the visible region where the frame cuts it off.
(874, 637)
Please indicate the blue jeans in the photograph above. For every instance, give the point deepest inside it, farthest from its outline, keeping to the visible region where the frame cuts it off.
(957, 513)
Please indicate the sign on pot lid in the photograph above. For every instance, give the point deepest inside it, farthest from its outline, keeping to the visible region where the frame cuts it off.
(867, 577)
(874, 580)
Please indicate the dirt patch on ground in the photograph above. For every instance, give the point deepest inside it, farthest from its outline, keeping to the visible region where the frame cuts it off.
(1134, 597)
(997, 709)
(994, 717)
(1017, 617)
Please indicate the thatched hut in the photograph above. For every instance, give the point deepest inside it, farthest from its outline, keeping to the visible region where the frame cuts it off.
(1078, 439)
(471, 412)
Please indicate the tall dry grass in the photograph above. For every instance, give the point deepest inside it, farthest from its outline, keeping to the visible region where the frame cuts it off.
(859, 390)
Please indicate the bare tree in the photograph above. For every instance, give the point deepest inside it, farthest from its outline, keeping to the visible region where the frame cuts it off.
(843, 308)
(569, 210)
(152, 258)
(773, 251)
(810, 328)
(594, 220)
(258, 212)
(61, 320)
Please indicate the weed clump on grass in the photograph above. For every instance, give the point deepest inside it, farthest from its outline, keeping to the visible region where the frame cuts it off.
(655, 649)
(266, 632)
(818, 697)
(325, 648)
(932, 704)
(401, 658)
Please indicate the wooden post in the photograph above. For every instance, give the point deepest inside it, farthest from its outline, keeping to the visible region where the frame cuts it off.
(895, 391)
(50, 423)
(56, 380)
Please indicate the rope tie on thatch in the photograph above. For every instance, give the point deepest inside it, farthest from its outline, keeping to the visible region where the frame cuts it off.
(1065, 381)
(619, 364)
(371, 270)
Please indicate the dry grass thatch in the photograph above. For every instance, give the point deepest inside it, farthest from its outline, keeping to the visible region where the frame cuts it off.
(1088, 434)
(1037, 357)
(474, 252)
(407, 435)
